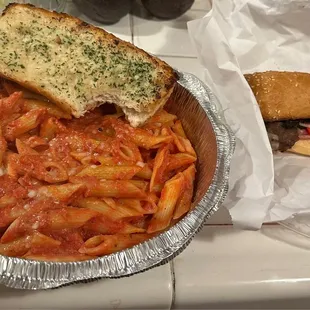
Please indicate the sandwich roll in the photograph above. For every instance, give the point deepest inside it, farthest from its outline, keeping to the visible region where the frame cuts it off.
(284, 101)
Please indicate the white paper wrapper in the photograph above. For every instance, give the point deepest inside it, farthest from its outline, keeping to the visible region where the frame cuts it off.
(245, 36)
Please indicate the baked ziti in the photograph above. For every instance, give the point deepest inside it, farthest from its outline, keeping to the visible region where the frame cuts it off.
(75, 189)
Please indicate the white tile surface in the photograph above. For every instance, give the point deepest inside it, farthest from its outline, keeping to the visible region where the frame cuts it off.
(204, 5)
(149, 290)
(186, 64)
(121, 29)
(162, 37)
(229, 269)
(222, 216)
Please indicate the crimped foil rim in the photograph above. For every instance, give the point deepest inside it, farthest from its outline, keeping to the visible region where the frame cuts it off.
(28, 274)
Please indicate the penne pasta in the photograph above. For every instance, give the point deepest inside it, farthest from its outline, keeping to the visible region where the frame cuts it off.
(129, 152)
(110, 172)
(134, 204)
(160, 164)
(49, 128)
(55, 219)
(41, 240)
(145, 173)
(105, 244)
(184, 203)
(75, 189)
(178, 129)
(17, 247)
(7, 200)
(179, 160)
(24, 149)
(10, 105)
(161, 117)
(66, 193)
(52, 109)
(143, 185)
(23, 124)
(110, 202)
(143, 139)
(114, 214)
(104, 225)
(116, 189)
(166, 205)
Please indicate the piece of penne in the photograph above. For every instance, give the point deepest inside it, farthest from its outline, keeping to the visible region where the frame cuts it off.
(116, 214)
(161, 117)
(7, 200)
(107, 244)
(116, 189)
(143, 139)
(188, 147)
(178, 142)
(145, 173)
(66, 193)
(179, 160)
(55, 219)
(166, 205)
(10, 212)
(129, 152)
(157, 188)
(183, 145)
(160, 164)
(10, 105)
(49, 128)
(110, 161)
(110, 202)
(184, 203)
(52, 109)
(54, 172)
(83, 157)
(134, 204)
(151, 203)
(178, 129)
(10, 162)
(23, 124)
(43, 241)
(24, 149)
(24, 209)
(110, 172)
(34, 141)
(143, 185)
(17, 247)
(104, 225)
(34, 166)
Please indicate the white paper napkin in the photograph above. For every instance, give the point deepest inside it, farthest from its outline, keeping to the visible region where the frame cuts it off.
(245, 36)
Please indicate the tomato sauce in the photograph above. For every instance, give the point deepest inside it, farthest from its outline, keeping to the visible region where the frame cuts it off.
(41, 154)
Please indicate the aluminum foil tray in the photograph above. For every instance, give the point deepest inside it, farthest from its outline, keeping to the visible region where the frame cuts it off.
(213, 141)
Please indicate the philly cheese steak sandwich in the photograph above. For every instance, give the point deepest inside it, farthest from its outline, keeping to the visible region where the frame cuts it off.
(284, 101)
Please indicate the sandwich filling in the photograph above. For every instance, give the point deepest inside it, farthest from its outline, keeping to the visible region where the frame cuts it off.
(284, 134)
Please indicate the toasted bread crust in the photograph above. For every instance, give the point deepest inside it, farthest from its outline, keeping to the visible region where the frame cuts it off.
(163, 75)
(281, 95)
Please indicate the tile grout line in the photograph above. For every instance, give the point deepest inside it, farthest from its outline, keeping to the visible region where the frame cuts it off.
(173, 282)
(131, 25)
